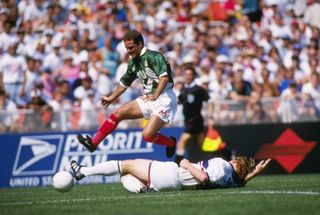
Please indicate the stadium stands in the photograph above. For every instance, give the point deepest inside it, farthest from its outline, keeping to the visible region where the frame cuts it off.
(261, 61)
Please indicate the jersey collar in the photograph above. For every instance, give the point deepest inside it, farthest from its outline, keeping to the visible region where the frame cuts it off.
(192, 84)
(144, 49)
(236, 179)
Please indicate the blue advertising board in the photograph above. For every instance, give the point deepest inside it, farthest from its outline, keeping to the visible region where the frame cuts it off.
(29, 160)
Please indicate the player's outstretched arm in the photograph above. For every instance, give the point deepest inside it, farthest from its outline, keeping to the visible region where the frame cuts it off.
(260, 167)
(107, 100)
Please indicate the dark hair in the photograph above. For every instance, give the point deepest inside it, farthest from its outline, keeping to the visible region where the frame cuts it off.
(134, 35)
(190, 67)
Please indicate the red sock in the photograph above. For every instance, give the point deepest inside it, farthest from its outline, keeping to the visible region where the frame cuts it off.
(161, 140)
(107, 127)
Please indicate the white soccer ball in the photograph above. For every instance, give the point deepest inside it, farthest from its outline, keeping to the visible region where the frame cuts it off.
(62, 181)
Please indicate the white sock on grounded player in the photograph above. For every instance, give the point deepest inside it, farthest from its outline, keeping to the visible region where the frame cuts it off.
(105, 168)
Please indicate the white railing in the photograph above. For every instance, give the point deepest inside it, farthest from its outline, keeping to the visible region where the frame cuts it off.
(226, 112)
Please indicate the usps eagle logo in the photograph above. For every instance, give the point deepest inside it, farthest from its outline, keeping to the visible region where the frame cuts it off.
(37, 155)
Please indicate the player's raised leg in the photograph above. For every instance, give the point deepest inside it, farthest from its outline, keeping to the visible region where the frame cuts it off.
(151, 134)
(129, 110)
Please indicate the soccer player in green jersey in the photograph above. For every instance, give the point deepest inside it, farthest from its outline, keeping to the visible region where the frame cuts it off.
(158, 104)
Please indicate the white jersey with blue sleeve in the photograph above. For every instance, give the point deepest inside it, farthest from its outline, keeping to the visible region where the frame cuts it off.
(219, 171)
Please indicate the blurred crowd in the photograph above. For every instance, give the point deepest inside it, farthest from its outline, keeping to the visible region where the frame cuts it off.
(61, 54)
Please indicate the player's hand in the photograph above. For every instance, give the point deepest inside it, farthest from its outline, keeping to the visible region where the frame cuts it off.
(148, 97)
(262, 165)
(184, 163)
(105, 101)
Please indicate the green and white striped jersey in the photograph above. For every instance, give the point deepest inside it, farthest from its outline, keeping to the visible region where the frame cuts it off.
(148, 68)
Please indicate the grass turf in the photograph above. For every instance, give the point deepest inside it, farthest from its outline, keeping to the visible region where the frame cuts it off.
(277, 194)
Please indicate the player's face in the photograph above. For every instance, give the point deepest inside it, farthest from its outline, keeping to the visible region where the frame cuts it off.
(133, 48)
(188, 75)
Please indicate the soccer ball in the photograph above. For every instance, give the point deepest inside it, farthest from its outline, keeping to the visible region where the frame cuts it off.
(62, 181)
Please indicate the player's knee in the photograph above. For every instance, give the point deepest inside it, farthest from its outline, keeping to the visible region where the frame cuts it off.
(148, 137)
(131, 183)
(117, 113)
(126, 166)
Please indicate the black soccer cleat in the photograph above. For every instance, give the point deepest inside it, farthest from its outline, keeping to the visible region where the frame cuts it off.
(86, 142)
(76, 170)
(178, 159)
(170, 151)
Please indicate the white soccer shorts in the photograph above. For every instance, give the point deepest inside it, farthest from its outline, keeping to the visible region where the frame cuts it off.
(165, 106)
(164, 176)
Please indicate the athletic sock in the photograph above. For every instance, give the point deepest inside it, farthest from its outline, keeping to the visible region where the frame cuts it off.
(105, 168)
(161, 140)
(107, 127)
(180, 152)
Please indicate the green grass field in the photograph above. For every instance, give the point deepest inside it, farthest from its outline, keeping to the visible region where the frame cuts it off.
(279, 194)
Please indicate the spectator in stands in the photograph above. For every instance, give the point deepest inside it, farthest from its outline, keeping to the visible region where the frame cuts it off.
(191, 97)
(53, 60)
(311, 15)
(289, 108)
(221, 10)
(251, 9)
(22, 47)
(41, 115)
(13, 69)
(78, 54)
(5, 36)
(86, 70)
(68, 71)
(66, 90)
(89, 113)
(270, 89)
(110, 58)
(48, 80)
(255, 110)
(8, 114)
(311, 89)
(32, 77)
(81, 92)
(58, 102)
(4, 18)
(143, 175)
(289, 76)
(241, 89)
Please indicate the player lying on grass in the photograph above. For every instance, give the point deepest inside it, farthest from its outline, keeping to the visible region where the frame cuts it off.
(141, 175)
